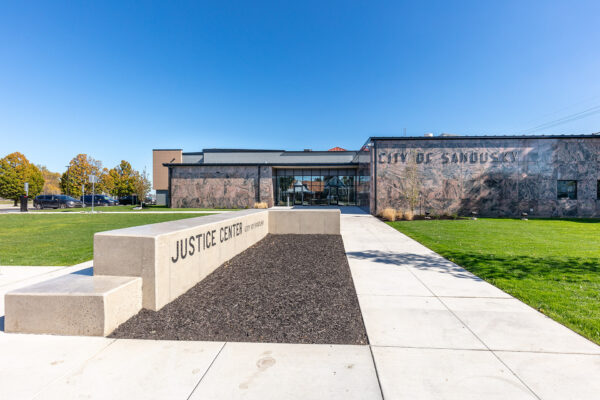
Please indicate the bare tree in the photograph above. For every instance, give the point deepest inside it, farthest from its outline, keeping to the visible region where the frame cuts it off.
(142, 185)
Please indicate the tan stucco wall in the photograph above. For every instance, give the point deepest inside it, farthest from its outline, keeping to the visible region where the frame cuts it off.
(160, 173)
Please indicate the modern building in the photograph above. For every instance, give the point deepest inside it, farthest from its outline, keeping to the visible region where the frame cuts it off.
(543, 176)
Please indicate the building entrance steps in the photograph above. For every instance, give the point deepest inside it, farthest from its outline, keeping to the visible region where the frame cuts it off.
(73, 305)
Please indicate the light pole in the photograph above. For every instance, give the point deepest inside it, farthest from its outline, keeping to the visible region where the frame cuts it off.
(93, 180)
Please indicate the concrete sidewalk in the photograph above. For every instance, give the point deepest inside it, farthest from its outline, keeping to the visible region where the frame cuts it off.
(436, 332)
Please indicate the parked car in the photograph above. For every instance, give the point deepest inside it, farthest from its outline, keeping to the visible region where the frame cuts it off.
(131, 199)
(55, 201)
(99, 200)
(150, 199)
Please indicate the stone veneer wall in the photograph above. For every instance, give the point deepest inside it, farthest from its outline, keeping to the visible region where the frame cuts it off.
(212, 186)
(495, 177)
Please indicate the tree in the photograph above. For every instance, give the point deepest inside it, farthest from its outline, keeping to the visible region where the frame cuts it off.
(122, 179)
(142, 185)
(51, 180)
(77, 174)
(15, 170)
(107, 182)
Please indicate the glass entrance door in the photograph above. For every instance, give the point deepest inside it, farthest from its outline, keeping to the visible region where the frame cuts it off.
(316, 186)
(333, 196)
(297, 197)
(298, 192)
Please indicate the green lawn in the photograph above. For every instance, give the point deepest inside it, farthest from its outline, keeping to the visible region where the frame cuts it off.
(130, 208)
(552, 265)
(60, 239)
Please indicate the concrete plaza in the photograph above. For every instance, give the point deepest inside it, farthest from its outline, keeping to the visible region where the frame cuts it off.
(435, 331)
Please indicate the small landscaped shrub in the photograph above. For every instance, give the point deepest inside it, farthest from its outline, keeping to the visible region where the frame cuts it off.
(389, 214)
(399, 215)
(262, 204)
(409, 215)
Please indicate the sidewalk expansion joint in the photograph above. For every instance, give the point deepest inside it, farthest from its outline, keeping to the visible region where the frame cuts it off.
(206, 372)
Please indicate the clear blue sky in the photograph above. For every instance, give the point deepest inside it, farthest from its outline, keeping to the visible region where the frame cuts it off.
(117, 79)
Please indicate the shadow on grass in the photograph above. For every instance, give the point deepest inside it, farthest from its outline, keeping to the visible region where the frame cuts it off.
(580, 220)
(565, 269)
(490, 267)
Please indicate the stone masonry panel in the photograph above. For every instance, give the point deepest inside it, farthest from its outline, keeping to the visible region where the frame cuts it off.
(206, 186)
(494, 177)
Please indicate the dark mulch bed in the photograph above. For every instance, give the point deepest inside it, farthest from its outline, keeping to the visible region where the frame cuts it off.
(286, 289)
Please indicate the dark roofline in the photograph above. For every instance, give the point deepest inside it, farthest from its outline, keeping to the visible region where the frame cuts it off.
(240, 151)
(193, 153)
(322, 152)
(278, 164)
(271, 151)
(490, 137)
(167, 149)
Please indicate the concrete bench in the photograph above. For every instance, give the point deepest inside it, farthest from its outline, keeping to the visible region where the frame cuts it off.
(162, 261)
(73, 305)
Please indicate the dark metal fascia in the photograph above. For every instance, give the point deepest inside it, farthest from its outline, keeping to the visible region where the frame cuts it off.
(278, 165)
(167, 150)
(491, 137)
(169, 192)
(374, 162)
(242, 151)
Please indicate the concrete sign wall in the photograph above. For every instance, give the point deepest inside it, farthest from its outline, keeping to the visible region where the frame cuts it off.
(171, 257)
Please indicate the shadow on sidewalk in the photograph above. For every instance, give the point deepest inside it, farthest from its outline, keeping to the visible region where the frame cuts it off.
(433, 263)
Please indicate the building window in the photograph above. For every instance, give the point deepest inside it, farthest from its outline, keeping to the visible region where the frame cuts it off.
(598, 190)
(316, 186)
(567, 190)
